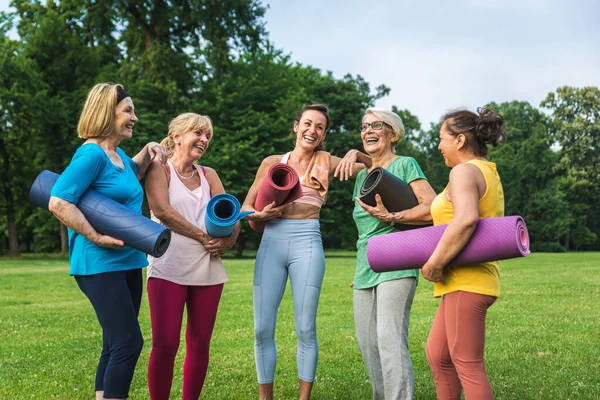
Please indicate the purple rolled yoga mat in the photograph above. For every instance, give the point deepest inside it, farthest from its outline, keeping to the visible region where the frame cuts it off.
(494, 239)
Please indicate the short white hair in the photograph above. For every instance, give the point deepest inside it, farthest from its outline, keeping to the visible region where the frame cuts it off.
(390, 118)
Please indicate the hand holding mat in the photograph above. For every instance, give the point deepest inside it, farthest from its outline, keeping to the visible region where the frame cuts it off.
(281, 185)
(396, 195)
(109, 217)
(222, 213)
(493, 239)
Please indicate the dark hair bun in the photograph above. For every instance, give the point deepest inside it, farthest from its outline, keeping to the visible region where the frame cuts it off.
(490, 127)
(481, 128)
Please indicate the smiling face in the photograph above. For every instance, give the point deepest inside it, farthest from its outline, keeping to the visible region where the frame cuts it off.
(125, 118)
(449, 145)
(376, 141)
(311, 130)
(193, 143)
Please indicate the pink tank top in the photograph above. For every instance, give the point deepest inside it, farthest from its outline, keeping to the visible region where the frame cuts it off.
(309, 195)
(186, 261)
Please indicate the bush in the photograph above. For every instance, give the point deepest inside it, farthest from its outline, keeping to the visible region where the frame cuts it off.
(547, 247)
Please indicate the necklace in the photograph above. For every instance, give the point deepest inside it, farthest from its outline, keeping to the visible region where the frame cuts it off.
(389, 160)
(384, 164)
(185, 177)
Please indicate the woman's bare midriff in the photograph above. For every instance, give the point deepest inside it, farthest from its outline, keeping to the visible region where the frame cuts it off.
(300, 211)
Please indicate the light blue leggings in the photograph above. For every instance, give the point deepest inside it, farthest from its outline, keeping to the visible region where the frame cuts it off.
(294, 248)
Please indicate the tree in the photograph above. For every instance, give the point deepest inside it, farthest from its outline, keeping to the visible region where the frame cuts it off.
(54, 40)
(431, 160)
(162, 52)
(22, 108)
(575, 124)
(347, 99)
(525, 163)
(253, 109)
(208, 30)
(412, 130)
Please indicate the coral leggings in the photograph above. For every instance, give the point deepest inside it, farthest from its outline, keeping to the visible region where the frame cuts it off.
(455, 347)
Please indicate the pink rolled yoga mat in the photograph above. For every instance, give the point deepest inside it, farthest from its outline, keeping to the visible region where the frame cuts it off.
(494, 239)
(281, 185)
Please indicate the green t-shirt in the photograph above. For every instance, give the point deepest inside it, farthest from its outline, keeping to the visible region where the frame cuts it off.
(407, 169)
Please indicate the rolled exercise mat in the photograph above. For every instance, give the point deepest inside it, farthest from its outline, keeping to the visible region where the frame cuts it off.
(222, 213)
(109, 217)
(494, 239)
(396, 195)
(281, 185)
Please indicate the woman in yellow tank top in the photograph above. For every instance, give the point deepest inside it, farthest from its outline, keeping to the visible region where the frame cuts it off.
(455, 346)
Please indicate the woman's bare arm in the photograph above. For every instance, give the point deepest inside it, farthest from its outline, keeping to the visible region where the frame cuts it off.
(157, 191)
(71, 216)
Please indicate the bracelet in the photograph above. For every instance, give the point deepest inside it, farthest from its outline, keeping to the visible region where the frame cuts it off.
(393, 221)
(192, 231)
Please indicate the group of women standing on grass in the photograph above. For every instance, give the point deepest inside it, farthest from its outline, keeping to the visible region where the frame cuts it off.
(191, 274)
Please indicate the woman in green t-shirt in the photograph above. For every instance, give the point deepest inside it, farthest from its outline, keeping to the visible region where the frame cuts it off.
(382, 301)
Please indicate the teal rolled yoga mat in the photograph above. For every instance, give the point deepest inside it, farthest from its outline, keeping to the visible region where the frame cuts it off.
(222, 213)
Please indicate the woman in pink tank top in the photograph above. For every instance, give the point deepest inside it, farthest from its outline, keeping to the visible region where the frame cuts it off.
(291, 246)
(191, 272)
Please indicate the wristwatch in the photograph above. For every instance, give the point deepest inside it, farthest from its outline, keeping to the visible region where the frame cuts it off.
(393, 221)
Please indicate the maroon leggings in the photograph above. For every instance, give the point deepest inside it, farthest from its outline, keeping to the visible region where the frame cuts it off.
(167, 300)
(455, 347)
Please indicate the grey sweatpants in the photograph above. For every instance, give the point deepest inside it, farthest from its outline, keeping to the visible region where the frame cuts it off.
(381, 317)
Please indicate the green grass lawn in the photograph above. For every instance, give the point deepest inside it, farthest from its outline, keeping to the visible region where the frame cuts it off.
(543, 334)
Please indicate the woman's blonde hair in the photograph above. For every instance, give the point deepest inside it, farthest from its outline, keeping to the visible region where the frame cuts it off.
(98, 115)
(184, 123)
(392, 119)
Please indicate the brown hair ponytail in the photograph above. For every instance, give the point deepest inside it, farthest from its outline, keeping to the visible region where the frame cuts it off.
(481, 129)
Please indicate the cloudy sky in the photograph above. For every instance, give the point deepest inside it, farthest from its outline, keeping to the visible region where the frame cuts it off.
(438, 55)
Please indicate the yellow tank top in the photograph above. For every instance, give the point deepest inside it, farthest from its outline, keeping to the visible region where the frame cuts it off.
(481, 278)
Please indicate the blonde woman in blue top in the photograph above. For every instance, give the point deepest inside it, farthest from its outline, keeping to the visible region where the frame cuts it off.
(107, 272)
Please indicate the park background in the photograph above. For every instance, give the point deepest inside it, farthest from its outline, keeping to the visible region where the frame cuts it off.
(250, 65)
(217, 58)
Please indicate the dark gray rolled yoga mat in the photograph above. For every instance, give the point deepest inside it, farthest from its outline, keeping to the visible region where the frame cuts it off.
(396, 195)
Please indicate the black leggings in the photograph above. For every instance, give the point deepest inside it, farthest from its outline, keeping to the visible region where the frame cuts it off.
(116, 298)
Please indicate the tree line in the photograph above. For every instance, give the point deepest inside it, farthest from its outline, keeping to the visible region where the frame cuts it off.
(215, 58)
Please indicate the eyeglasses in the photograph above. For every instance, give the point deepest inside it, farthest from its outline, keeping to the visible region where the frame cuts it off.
(375, 125)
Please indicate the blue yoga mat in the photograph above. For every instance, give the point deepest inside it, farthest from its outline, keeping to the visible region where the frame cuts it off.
(222, 213)
(109, 217)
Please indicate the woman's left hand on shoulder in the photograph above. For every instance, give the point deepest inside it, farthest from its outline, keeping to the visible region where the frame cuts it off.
(379, 211)
(346, 165)
(157, 151)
